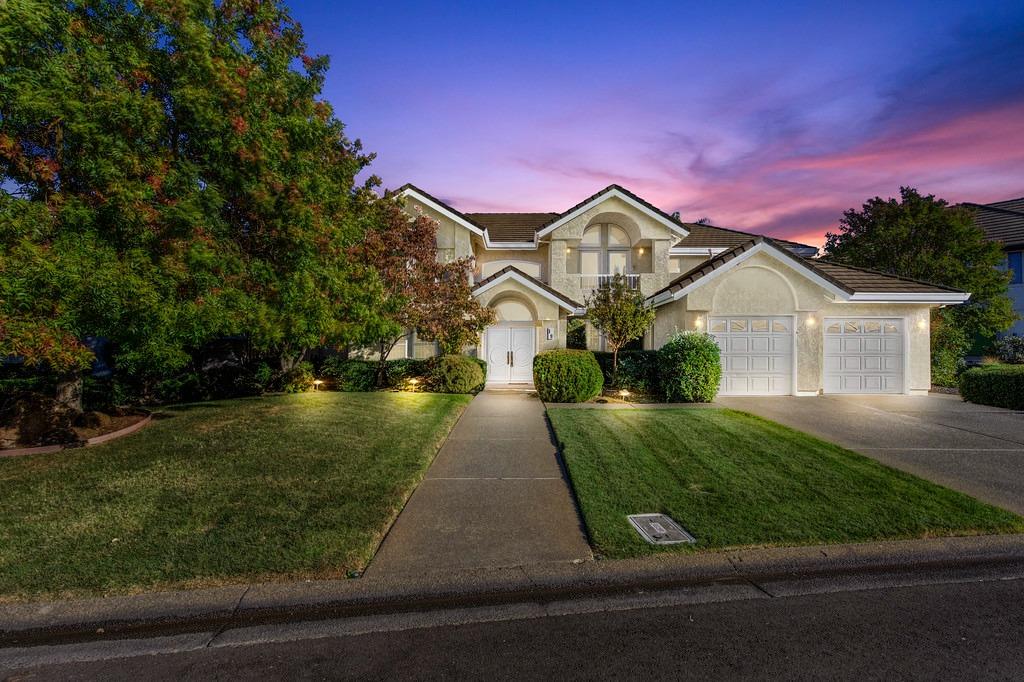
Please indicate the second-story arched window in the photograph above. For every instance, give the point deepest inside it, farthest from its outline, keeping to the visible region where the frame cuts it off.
(604, 250)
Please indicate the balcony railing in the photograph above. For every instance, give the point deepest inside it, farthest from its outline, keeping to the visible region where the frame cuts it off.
(589, 283)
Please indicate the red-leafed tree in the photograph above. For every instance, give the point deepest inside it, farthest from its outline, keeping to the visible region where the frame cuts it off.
(420, 293)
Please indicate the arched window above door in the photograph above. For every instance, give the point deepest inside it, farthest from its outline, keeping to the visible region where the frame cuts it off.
(604, 250)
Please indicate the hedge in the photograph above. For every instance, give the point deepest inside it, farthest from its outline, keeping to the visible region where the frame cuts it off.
(638, 371)
(567, 376)
(996, 385)
(434, 374)
(691, 368)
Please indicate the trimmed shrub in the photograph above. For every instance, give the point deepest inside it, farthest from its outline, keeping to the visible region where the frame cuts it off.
(351, 375)
(638, 371)
(455, 374)
(1011, 350)
(400, 371)
(298, 379)
(690, 367)
(996, 385)
(567, 376)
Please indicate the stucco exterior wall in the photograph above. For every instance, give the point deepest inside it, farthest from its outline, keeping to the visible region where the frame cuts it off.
(453, 240)
(529, 261)
(655, 238)
(763, 285)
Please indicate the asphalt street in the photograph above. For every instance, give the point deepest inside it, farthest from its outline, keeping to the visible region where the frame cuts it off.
(965, 626)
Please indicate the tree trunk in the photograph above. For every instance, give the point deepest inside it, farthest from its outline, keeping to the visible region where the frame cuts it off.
(615, 365)
(382, 364)
(69, 392)
(288, 361)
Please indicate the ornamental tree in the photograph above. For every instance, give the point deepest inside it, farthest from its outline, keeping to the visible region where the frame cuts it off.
(620, 313)
(419, 292)
(924, 238)
(169, 175)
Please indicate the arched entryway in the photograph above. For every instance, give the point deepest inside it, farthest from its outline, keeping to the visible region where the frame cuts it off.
(511, 343)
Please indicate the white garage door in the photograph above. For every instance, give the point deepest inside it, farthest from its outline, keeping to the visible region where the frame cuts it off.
(863, 355)
(757, 354)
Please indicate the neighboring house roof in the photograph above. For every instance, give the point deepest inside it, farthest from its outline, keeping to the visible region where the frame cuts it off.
(511, 227)
(705, 238)
(847, 282)
(1001, 221)
(513, 273)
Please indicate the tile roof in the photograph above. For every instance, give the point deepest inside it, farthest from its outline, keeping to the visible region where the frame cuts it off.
(704, 236)
(511, 227)
(1001, 221)
(848, 278)
(625, 191)
(508, 269)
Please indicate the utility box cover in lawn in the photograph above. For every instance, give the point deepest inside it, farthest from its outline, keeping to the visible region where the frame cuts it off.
(659, 529)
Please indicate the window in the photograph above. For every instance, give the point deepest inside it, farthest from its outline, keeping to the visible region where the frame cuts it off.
(1015, 264)
(604, 250)
(872, 327)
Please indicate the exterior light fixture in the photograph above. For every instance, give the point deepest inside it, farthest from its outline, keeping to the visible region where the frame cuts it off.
(699, 323)
(921, 324)
(317, 383)
(811, 321)
(412, 383)
(641, 251)
(624, 393)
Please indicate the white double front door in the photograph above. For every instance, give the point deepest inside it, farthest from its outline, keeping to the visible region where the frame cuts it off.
(510, 351)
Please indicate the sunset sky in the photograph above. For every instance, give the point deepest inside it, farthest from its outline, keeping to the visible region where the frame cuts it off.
(768, 117)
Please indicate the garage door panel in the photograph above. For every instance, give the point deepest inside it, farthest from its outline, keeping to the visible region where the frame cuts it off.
(757, 354)
(863, 355)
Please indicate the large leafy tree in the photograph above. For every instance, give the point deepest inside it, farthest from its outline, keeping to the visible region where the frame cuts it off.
(921, 237)
(620, 313)
(421, 293)
(168, 175)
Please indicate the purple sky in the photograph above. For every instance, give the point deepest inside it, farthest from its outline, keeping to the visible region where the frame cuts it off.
(769, 117)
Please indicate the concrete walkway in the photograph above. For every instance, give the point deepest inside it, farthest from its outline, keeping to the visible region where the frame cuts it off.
(496, 496)
(976, 449)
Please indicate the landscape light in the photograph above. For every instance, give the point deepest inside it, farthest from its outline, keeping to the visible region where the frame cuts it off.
(624, 393)
(412, 383)
(316, 383)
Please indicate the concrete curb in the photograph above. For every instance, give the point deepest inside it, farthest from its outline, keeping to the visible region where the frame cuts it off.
(161, 613)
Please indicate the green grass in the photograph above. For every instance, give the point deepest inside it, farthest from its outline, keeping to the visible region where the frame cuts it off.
(291, 486)
(734, 479)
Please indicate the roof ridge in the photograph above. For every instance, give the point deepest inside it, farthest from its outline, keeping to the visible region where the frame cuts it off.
(749, 234)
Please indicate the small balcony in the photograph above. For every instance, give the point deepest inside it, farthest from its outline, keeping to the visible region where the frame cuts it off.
(591, 283)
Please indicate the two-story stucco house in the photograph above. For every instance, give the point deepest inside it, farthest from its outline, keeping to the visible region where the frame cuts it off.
(787, 324)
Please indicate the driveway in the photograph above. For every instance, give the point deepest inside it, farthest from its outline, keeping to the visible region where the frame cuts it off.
(973, 448)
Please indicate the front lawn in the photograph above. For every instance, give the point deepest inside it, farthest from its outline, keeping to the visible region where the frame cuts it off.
(290, 486)
(733, 479)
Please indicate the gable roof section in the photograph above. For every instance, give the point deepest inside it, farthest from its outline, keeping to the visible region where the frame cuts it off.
(513, 273)
(625, 195)
(845, 282)
(711, 239)
(511, 227)
(1001, 221)
(444, 209)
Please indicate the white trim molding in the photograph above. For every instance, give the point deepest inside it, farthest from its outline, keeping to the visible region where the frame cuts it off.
(883, 297)
(618, 194)
(443, 210)
(527, 282)
(695, 251)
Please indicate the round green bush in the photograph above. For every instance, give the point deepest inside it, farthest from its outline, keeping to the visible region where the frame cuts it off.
(455, 374)
(567, 376)
(996, 385)
(690, 367)
(298, 379)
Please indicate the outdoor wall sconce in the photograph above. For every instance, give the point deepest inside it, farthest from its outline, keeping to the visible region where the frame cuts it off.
(641, 251)
(921, 324)
(811, 321)
(699, 323)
